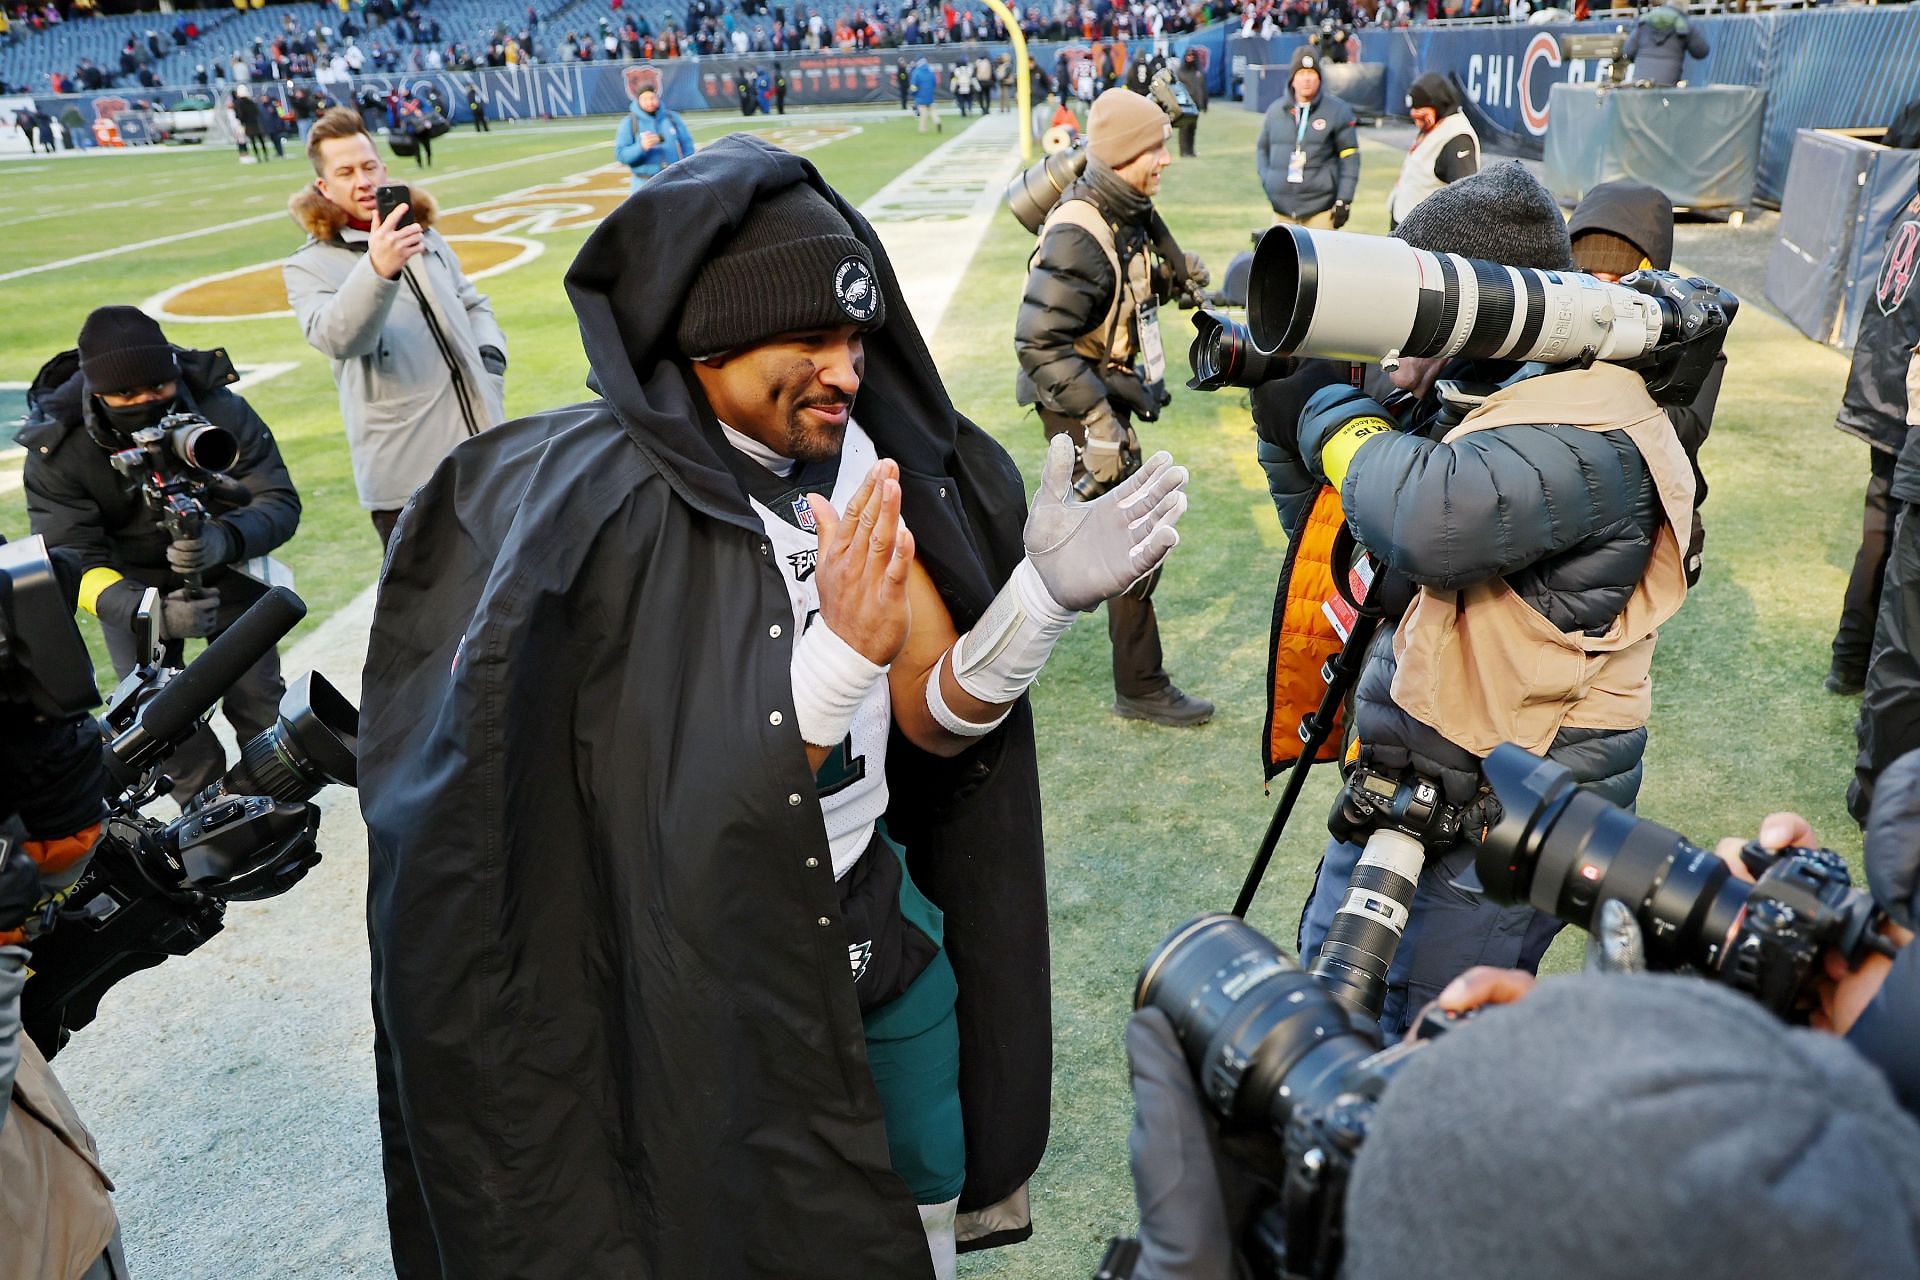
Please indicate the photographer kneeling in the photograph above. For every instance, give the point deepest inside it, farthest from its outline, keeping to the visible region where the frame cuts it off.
(1530, 548)
(84, 409)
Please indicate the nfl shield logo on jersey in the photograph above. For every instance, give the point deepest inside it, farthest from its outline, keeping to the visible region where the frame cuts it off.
(803, 513)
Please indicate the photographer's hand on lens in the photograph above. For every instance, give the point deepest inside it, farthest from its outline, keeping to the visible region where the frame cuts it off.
(865, 553)
(1197, 273)
(186, 614)
(216, 545)
(1107, 442)
(1086, 552)
(390, 246)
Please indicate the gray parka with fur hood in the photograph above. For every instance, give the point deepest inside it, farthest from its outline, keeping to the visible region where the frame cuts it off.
(407, 353)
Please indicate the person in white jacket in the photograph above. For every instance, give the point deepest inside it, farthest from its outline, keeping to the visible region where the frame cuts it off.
(417, 354)
(1446, 150)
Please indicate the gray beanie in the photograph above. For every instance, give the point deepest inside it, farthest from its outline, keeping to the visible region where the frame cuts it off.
(1500, 214)
(1649, 1127)
(793, 263)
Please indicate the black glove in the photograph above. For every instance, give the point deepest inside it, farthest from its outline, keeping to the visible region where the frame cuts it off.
(1341, 212)
(184, 614)
(19, 885)
(1135, 394)
(217, 545)
(495, 360)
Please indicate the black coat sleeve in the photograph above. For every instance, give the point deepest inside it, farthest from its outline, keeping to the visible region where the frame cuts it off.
(1885, 1032)
(1458, 159)
(1490, 503)
(272, 511)
(1067, 295)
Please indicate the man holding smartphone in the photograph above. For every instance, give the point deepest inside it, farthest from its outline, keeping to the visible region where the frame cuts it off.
(417, 354)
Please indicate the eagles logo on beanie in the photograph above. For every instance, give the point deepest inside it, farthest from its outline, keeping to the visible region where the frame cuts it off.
(792, 264)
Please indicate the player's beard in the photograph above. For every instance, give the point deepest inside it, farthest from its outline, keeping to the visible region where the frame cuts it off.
(810, 440)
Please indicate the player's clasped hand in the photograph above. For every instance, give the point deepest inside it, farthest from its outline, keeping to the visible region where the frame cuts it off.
(865, 553)
(390, 246)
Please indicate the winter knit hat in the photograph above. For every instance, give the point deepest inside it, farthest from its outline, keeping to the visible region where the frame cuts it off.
(1123, 124)
(793, 263)
(1304, 59)
(1644, 1127)
(122, 348)
(1500, 214)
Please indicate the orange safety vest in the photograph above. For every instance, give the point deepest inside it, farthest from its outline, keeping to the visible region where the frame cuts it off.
(1303, 635)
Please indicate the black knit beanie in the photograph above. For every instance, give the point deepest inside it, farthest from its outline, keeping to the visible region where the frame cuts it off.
(792, 264)
(122, 348)
(1500, 214)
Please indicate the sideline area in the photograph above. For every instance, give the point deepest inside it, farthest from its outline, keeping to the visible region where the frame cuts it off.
(249, 1146)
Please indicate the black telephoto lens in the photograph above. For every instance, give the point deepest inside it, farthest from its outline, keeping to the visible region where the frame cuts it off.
(1564, 851)
(1260, 1034)
(311, 745)
(1223, 355)
(199, 443)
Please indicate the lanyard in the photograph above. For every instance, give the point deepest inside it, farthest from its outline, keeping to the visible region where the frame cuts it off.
(1301, 114)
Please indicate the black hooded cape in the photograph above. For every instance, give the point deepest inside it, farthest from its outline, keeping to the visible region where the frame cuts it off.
(615, 1030)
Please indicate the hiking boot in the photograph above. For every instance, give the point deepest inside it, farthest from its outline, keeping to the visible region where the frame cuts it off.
(1169, 707)
(1845, 681)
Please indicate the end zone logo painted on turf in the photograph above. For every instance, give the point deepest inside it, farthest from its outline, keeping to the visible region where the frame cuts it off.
(488, 238)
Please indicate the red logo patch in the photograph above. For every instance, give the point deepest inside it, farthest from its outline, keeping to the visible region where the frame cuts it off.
(1896, 273)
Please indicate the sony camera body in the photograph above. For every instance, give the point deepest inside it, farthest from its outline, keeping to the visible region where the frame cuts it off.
(1565, 851)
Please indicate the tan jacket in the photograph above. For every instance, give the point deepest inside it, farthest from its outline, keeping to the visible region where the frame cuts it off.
(55, 1217)
(1110, 342)
(1452, 645)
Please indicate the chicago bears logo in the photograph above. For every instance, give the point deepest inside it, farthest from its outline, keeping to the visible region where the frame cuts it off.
(1896, 273)
(855, 287)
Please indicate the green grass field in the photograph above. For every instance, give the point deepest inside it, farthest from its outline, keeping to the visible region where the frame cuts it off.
(1144, 826)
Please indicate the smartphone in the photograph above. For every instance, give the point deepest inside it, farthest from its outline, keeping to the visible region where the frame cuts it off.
(387, 199)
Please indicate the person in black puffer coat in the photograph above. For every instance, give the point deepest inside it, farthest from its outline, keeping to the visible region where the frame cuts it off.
(83, 407)
(1555, 517)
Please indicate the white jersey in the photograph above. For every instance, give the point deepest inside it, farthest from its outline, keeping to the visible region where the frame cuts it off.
(853, 781)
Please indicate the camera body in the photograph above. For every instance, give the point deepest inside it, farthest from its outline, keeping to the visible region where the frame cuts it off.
(1565, 851)
(174, 462)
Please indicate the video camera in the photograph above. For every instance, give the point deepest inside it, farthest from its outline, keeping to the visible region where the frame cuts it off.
(1341, 296)
(159, 888)
(1036, 189)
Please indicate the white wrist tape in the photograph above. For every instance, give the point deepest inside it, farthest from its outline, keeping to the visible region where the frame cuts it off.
(830, 681)
(952, 722)
(999, 658)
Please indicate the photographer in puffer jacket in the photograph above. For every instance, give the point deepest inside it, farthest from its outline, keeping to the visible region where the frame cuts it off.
(1536, 544)
(1091, 356)
(85, 406)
